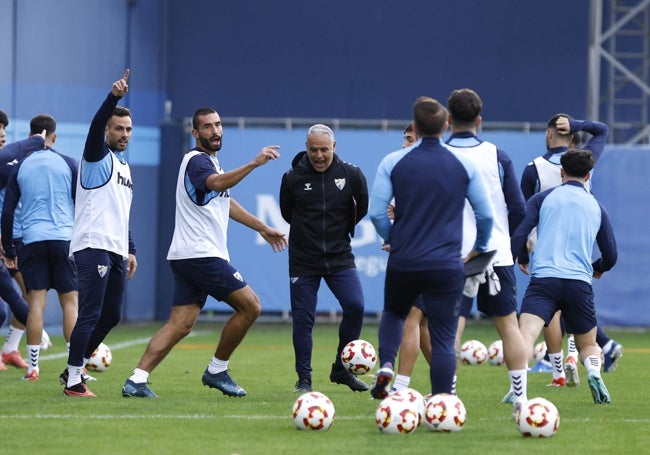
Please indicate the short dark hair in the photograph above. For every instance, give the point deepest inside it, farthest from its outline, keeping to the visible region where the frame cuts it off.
(42, 122)
(4, 120)
(576, 139)
(577, 163)
(200, 112)
(410, 128)
(121, 111)
(429, 116)
(464, 106)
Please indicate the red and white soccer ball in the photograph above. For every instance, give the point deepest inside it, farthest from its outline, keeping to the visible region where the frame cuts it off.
(397, 415)
(495, 353)
(416, 399)
(445, 412)
(358, 357)
(538, 418)
(539, 351)
(473, 352)
(101, 359)
(313, 411)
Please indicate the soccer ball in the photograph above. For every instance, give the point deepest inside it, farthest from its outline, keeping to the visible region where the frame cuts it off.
(358, 357)
(416, 399)
(313, 411)
(495, 353)
(445, 412)
(538, 418)
(397, 415)
(101, 359)
(473, 352)
(539, 351)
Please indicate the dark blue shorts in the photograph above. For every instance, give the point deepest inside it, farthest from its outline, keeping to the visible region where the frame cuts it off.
(419, 304)
(466, 307)
(544, 296)
(505, 302)
(195, 279)
(47, 265)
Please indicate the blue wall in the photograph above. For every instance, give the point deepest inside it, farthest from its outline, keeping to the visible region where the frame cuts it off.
(373, 58)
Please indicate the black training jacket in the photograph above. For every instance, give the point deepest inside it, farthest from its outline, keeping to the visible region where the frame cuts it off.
(322, 209)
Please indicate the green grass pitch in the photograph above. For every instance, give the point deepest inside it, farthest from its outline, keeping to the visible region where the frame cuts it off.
(191, 418)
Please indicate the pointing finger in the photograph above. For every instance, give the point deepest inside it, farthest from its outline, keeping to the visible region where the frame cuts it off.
(126, 74)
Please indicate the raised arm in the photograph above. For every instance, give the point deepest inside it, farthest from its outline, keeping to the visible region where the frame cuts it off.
(94, 148)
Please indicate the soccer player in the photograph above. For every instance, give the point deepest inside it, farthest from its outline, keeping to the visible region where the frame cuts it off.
(200, 261)
(323, 197)
(101, 240)
(544, 173)
(569, 221)
(9, 157)
(44, 184)
(416, 334)
(505, 196)
(430, 184)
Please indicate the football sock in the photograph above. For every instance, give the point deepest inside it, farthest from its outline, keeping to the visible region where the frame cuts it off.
(139, 376)
(74, 375)
(217, 366)
(453, 385)
(401, 382)
(556, 361)
(592, 364)
(571, 347)
(519, 384)
(13, 339)
(33, 351)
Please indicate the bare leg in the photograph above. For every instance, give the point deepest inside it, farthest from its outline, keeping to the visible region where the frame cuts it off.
(69, 306)
(180, 324)
(247, 308)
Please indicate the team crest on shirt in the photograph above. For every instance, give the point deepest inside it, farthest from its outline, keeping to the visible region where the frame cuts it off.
(340, 183)
(102, 269)
(307, 186)
(238, 276)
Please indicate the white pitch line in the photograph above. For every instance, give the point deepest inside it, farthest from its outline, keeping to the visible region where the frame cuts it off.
(117, 346)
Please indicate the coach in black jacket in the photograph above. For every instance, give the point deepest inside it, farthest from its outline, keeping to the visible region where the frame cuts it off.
(323, 198)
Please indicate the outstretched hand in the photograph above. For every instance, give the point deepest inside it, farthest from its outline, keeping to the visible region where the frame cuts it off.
(276, 239)
(121, 86)
(268, 153)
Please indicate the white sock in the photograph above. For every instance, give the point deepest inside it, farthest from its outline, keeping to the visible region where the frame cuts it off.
(401, 382)
(608, 346)
(519, 384)
(592, 364)
(139, 376)
(571, 347)
(33, 351)
(217, 366)
(74, 375)
(556, 361)
(14, 336)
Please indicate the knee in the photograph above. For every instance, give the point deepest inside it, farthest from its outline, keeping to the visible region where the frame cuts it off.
(253, 307)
